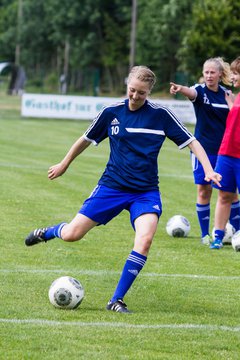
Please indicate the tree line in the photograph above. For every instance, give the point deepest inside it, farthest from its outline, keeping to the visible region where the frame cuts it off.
(89, 42)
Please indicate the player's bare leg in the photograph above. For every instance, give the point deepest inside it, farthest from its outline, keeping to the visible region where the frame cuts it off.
(73, 231)
(222, 212)
(77, 228)
(145, 226)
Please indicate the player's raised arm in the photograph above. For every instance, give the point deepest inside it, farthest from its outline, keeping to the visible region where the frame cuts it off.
(77, 148)
(200, 153)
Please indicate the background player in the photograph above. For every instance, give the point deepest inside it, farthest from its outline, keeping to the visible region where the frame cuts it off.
(136, 129)
(211, 111)
(228, 161)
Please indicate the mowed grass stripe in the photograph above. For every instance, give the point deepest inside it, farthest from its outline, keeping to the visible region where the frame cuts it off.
(110, 272)
(44, 322)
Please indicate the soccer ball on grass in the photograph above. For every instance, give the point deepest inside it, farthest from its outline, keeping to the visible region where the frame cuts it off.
(178, 226)
(66, 293)
(229, 232)
(236, 241)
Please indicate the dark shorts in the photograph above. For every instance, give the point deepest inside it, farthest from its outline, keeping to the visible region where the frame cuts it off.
(105, 203)
(229, 168)
(198, 172)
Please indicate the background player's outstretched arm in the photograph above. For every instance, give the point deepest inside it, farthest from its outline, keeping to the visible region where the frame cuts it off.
(184, 90)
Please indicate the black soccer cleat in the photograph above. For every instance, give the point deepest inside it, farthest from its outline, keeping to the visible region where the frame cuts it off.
(35, 237)
(118, 306)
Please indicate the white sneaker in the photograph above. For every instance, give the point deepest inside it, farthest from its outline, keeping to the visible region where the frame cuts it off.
(206, 240)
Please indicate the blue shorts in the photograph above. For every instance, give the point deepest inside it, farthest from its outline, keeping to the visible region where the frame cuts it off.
(198, 172)
(229, 168)
(105, 203)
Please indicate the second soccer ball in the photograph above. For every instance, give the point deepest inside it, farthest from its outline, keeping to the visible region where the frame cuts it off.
(178, 226)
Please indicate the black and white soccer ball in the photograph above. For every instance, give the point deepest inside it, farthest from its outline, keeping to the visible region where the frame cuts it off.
(178, 226)
(229, 232)
(236, 241)
(66, 293)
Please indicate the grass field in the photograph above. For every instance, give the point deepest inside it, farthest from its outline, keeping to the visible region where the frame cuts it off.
(186, 300)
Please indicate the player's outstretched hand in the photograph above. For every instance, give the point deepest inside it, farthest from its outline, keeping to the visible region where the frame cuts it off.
(174, 88)
(215, 177)
(56, 171)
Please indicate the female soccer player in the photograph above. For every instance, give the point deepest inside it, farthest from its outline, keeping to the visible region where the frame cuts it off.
(136, 129)
(211, 111)
(228, 161)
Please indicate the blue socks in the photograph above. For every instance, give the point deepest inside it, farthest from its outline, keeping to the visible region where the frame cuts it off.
(219, 235)
(203, 213)
(133, 266)
(54, 231)
(235, 215)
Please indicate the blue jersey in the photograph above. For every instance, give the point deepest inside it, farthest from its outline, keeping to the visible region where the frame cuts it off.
(135, 140)
(211, 111)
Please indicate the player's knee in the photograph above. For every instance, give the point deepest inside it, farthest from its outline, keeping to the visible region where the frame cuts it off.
(144, 243)
(204, 194)
(70, 235)
(226, 197)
